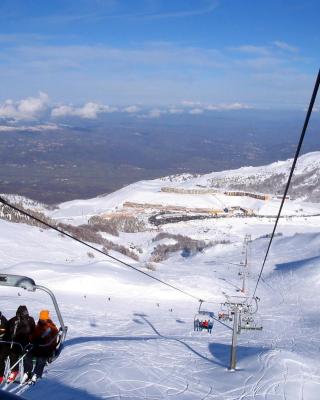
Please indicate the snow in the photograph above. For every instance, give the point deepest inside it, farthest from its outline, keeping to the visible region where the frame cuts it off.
(129, 347)
(150, 192)
(131, 337)
(306, 162)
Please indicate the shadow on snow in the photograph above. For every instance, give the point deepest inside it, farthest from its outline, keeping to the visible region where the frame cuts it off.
(219, 351)
(86, 339)
(51, 389)
(222, 351)
(295, 265)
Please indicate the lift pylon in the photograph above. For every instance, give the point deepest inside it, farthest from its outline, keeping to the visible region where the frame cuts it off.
(239, 310)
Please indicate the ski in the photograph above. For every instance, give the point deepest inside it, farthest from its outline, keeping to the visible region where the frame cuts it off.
(25, 386)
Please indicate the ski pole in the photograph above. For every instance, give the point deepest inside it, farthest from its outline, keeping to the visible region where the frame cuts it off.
(20, 359)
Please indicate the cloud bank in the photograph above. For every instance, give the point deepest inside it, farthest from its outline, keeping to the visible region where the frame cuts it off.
(39, 114)
(29, 128)
(89, 110)
(44, 116)
(27, 109)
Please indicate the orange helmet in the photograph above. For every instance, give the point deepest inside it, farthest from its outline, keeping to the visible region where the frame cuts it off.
(44, 315)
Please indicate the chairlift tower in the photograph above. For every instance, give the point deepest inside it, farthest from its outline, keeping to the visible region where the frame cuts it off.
(245, 264)
(239, 310)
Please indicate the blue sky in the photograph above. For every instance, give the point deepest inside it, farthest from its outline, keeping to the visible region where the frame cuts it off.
(255, 53)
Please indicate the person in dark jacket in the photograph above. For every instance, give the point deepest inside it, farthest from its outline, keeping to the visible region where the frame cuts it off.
(3, 325)
(19, 331)
(44, 341)
(3, 346)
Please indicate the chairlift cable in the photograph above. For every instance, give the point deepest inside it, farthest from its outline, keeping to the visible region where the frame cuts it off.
(305, 125)
(5, 202)
(312, 101)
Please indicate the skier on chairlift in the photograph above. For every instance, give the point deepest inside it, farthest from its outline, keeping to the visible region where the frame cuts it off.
(18, 335)
(196, 324)
(44, 342)
(3, 326)
(210, 326)
(205, 324)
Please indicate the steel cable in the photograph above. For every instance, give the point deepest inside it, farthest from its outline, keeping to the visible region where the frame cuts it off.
(305, 125)
(23, 212)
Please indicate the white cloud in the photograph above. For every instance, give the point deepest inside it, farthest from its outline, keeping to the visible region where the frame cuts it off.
(208, 7)
(228, 106)
(316, 108)
(212, 107)
(169, 69)
(26, 109)
(267, 50)
(250, 49)
(61, 111)
(196, 111)
(131, 109)
(32, 128)
(190, 103)
(175, 110)
(285, 46)
(236, 106)
(90, 110)
(155, 113)
(197, 108)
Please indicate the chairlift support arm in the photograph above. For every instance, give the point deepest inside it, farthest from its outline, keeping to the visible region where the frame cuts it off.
(22, 282)
(53, 298)
(200, 305)
(29, 284)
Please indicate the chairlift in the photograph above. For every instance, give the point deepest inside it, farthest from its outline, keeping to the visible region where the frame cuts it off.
(225, 313)
(227, 308)
(29, 284)
(249, 323)
(239, 300)
(203, 320)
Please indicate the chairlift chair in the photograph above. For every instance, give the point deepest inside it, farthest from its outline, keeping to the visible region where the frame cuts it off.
(224, 313)
(250, 323)
(203, 320)
(29, 284)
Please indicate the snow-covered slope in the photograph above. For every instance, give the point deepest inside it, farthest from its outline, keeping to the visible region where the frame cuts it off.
(131, 337)
(141, 344)
(268, 179)
(265, 179)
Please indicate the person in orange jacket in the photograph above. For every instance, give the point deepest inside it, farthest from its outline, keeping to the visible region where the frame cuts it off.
(44, 342)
